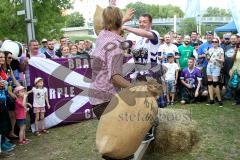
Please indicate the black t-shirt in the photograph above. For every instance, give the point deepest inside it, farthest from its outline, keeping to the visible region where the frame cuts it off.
(58, 53)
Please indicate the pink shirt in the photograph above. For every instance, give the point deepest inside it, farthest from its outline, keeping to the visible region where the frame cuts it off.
(107, 61)
(19, 109)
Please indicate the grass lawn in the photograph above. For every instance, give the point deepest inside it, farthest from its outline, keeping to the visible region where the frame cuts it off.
(218, 128)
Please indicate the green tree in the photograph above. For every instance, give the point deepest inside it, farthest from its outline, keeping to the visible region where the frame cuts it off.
(11, 25)
(187, 25)
(74, 20)
(157, 11)
(216, 12)
(139, 7)
(49, 15)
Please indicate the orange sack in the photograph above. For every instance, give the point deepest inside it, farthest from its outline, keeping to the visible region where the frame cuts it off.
(127, 119)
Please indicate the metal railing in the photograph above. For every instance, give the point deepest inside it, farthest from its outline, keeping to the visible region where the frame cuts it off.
(170, 21)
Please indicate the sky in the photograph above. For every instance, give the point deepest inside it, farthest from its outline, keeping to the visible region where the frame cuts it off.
(87, 7)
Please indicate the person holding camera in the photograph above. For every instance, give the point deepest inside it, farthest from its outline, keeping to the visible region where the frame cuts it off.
(235, 74)
(215, 57)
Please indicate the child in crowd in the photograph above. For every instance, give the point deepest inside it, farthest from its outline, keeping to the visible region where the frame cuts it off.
(20, 112)
(171, 78)
(39, 98)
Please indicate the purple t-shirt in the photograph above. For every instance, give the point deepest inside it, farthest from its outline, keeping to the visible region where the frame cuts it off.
(191, 77)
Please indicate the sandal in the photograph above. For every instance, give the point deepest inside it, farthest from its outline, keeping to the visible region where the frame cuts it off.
(27, 140)
(37, 133)
(45, 131)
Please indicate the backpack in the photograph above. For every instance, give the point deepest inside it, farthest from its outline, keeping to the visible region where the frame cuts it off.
(234, 81)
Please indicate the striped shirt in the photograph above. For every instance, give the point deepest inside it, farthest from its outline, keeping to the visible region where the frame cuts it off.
(107, 61)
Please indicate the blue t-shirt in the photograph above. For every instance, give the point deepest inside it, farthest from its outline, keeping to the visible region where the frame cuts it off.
(202, 50)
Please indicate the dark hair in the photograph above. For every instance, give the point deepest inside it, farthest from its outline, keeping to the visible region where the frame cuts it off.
(147, 15)
(194, 32)
(62, 38)
(32, 41)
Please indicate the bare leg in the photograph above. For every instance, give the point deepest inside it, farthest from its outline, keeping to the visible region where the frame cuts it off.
(42, 120)
(13, 122)
(36, 121)
(173, 97)
(168, 98)
(21, 133)
(210, 87)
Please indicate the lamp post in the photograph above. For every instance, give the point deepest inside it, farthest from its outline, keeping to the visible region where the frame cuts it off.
(29, 20)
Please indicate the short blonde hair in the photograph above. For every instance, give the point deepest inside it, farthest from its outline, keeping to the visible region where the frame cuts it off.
(112, 18)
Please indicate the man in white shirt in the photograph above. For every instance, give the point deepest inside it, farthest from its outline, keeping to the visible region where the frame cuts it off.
(145, 45)
(167, 47)
(144, 50)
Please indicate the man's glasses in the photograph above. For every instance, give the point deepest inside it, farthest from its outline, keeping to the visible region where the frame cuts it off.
(214, 41)
(9, 58)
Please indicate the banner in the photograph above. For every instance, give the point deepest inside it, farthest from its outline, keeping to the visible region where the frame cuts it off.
(235, 11)
(67, 82)
(193, 8)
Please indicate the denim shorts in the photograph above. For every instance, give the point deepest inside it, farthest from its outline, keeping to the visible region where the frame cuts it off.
(21, 122)
(213, 71)
(170, 87)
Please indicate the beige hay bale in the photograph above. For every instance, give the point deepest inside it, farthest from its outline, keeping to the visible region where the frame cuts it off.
(176, 131)
(97, 19)
(126, 120)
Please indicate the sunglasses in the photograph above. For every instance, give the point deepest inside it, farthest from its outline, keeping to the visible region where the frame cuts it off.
(9, 58)
(214, 41)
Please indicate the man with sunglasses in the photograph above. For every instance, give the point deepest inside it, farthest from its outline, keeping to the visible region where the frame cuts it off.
(226, 41)
(228, 56)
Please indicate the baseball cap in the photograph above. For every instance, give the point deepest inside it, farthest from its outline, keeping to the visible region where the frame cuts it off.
(18, 88)
(170, 55)
(226, 36)
(37, 80)
(195, 44)
(44, 40)
(238, 34)
(209, 33)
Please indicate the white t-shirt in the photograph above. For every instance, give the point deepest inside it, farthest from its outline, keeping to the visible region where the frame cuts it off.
(39, 95)
(142, 42)
(215, 53)
(143, 62)
(171, 71)
(165, 48)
